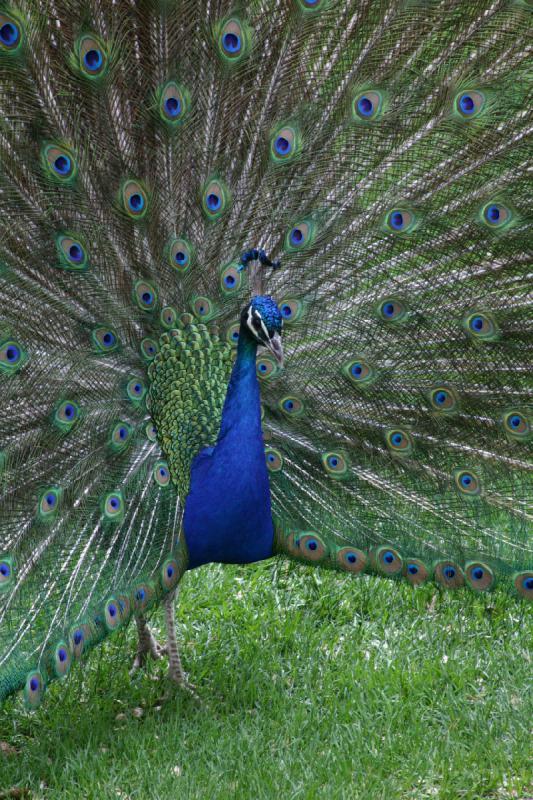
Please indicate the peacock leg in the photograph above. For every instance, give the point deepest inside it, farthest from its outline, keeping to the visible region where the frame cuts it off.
(146, 646)
(175, 667)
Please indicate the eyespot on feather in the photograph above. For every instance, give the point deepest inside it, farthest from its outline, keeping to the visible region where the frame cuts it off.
(481, 326)
(49, 503)
(400, 220)
(11, 33)
(516, 425)
(170, 574)
(415, 571)
(285, 144)
(135, 391)
(145, 295)
(335, 464)
(12, 356)
(291, 310)
(312, 547)
(215, 199)
(180, 254)
(143, 595)
(231, 279)
(202, 308)
(61, 659)
(232, 334)
(59, 163)
(112, 614)
(359, 372)
(7, 572)
(234, 39)
(444, 399)
(168, 318)
(120, 437)
(469, 104)
(80, 639)
(392, 310)
(149, 348)
(34, 689)
(300, 236)
(72, 253)
(479, 576)
(134, 199)
(274, 459)
(387, 560)
(267, 368)
(66, 414)
(367, 106)
(161, 473)
(351, 559)
(92, 57)
(523, 584)
(312, 5)
(113, 506)
(399, 442)
(449, 575)
(105, 340)
(496, 216)
(173, 102)
(467, 483)
(291, 406)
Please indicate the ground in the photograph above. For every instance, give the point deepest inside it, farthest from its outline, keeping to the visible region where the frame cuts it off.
(312, 685)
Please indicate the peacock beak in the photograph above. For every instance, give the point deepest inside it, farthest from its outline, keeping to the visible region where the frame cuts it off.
(275, 347)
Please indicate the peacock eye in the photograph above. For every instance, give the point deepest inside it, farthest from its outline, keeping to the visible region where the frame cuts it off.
(10, 33)
(367, 106)
(496, 215)
(92, 56)
(256, 323)
(469, 104)
(215, 198)
(400, 220)
(234, 40)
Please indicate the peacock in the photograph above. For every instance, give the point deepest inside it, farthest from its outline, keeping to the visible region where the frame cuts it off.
(264, 291)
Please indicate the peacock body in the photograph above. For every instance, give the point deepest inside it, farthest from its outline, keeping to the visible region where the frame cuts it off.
(379, 150)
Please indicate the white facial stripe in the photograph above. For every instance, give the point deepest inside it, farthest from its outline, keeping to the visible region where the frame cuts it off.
(254, 314)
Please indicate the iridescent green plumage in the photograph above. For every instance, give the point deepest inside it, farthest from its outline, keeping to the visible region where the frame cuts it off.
(378, 149)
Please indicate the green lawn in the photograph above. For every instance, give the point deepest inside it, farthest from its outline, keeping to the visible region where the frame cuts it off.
(312, 685)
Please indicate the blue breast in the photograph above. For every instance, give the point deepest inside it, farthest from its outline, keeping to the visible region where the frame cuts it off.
(227, 512)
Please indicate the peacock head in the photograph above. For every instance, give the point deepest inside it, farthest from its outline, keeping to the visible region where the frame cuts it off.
(261, 319)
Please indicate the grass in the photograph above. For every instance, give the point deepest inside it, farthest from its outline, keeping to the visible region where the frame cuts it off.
(312, 685)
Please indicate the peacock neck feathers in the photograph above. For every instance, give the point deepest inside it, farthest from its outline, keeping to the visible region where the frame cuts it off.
(227, 513)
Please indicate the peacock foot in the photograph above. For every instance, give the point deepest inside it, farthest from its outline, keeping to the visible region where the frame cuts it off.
(147, 646)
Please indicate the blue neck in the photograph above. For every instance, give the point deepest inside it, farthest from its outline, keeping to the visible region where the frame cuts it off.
(241, 415)
(227, 511)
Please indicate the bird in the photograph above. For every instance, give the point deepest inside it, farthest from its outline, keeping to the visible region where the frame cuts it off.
(264, 293)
